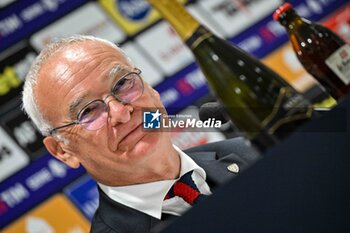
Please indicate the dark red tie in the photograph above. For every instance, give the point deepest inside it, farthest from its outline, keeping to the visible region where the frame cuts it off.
(186, 189)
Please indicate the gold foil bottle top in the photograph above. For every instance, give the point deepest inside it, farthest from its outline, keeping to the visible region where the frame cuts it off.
(177, 15)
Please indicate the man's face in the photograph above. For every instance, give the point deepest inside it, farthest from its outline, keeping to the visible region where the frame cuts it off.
(120, 149)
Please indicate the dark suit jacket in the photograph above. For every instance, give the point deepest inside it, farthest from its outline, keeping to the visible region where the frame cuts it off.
(214, 158)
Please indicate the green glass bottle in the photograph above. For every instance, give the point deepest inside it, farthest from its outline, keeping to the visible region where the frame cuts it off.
(258, 101)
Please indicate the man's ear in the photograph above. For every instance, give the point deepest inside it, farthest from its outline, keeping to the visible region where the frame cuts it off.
(56, 148)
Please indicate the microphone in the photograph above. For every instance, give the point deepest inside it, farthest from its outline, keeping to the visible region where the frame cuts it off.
(217, 111)
(212, 110)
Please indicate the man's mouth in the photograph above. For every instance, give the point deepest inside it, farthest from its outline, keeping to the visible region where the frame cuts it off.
(131, 131)
(131, 135)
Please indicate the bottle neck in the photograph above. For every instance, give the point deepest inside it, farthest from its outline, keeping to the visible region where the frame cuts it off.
(291, 20)
(176, 14)
(198, 37)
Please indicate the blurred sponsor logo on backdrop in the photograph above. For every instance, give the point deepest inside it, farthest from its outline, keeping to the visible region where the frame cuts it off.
(46, 218)
(80, 21)
(12, 158)
(131, 15)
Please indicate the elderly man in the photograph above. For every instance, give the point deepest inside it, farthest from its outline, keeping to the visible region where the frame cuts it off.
(86, 97)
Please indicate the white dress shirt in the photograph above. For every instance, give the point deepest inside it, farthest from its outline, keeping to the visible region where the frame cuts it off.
(149, 197)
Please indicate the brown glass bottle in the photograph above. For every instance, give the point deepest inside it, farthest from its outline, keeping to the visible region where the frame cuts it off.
(259, 102)
(322, 53)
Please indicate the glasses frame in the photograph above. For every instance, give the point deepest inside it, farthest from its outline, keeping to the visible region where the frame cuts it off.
(77, 122)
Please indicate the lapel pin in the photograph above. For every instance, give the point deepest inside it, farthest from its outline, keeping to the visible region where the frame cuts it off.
(234, 168)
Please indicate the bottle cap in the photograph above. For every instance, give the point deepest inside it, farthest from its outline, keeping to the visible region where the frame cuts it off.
(286, 6)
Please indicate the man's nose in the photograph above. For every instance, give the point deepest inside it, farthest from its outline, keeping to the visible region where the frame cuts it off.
(118, 111)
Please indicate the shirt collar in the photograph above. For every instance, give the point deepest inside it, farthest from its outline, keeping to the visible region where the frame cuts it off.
(148, 197)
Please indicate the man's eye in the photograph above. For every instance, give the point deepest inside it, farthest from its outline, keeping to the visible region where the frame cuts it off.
(91, 110)
(123, 85)
(88, 114)
(119, 84)
(87, 111)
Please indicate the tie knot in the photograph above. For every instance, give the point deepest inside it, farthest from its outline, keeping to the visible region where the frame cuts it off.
(185, 188)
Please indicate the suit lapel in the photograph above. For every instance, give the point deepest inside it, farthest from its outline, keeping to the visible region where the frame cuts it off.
(114, 213)
(215, 167)
(122, 218)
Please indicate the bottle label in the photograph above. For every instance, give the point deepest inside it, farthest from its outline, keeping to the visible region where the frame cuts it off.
(289, 106)
(339, 63)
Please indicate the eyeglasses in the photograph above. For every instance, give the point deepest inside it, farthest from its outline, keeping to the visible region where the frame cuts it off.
(93, 115)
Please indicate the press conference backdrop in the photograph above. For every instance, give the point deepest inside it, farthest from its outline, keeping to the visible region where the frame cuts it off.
(39, 193)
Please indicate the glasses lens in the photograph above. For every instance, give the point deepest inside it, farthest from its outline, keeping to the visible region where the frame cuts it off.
(93, 116)
(129, 88)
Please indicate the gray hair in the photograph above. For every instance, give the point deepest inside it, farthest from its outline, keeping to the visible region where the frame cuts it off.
(30, 105)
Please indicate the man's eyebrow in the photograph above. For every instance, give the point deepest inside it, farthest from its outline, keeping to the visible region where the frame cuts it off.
(116, 69)
(73, 107)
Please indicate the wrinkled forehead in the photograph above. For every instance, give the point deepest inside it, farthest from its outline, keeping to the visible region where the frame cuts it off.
(70, 66)
(83, 51)
(77, 52)
(71, 58)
